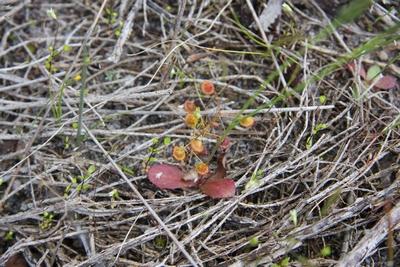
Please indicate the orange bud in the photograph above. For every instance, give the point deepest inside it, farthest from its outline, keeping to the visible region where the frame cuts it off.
(191, 120)
(189, 106)
(179, 153)
(197, 146)
(247, 122)
(202, 168)
(207, 87)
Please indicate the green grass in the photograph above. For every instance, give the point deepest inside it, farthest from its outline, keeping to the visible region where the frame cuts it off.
(350, 13)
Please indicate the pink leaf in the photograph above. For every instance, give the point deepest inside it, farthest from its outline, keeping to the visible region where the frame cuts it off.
(166, 176)
(352, 67)
(387, 82)
(225, 144)
(219, 188)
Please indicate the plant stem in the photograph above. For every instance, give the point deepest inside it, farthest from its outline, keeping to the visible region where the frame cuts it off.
(86, 61)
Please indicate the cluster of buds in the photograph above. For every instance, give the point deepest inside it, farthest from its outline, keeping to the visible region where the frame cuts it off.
(194, 121)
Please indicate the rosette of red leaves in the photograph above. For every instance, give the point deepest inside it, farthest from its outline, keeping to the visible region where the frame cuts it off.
(167, 176)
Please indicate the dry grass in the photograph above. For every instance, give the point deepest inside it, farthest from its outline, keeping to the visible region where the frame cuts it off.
(343, 180)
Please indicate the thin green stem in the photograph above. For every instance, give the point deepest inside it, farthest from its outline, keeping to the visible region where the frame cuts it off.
(86, 62)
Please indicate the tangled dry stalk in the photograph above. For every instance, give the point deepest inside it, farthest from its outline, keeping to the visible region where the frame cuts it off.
(326, 157)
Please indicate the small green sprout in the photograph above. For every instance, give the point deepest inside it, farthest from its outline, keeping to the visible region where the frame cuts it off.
(326, 251)
(86, 60)
(9, 236)
(322, 99)
(309, 142)
(118, 30)
(91, 170)
(197, 114)
(111, 16)
(82, 187)
(253, 242)
(67, 48)
(319, 127)
(283, 263)
(47, 220)
(66, 142)
(167, 140)
(79, 182)
(114, 194)
(315, 130)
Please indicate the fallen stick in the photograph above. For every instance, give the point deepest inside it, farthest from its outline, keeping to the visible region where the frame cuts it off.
(372, 239)
(126, 31)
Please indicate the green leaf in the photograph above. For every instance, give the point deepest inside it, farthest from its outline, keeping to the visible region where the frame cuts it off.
(167, 140)
(373, 72)
(319, 127)
(285, 262)
(66, 142)
(86, 60)
(9, 236)
(322, 99)
(196, 113)
(309, 142)
(1, 181)
(114, 194)
(155, 140)
(91, 169)
(85, 187)
(326, 251)
(153, 150)
(253, 242)
(79, 188)
(67, 190)
(67, 48)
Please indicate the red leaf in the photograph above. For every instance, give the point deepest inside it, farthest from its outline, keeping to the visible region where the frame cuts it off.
(219, 188)
(166, 176)
(386, 82)
(352, 67)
